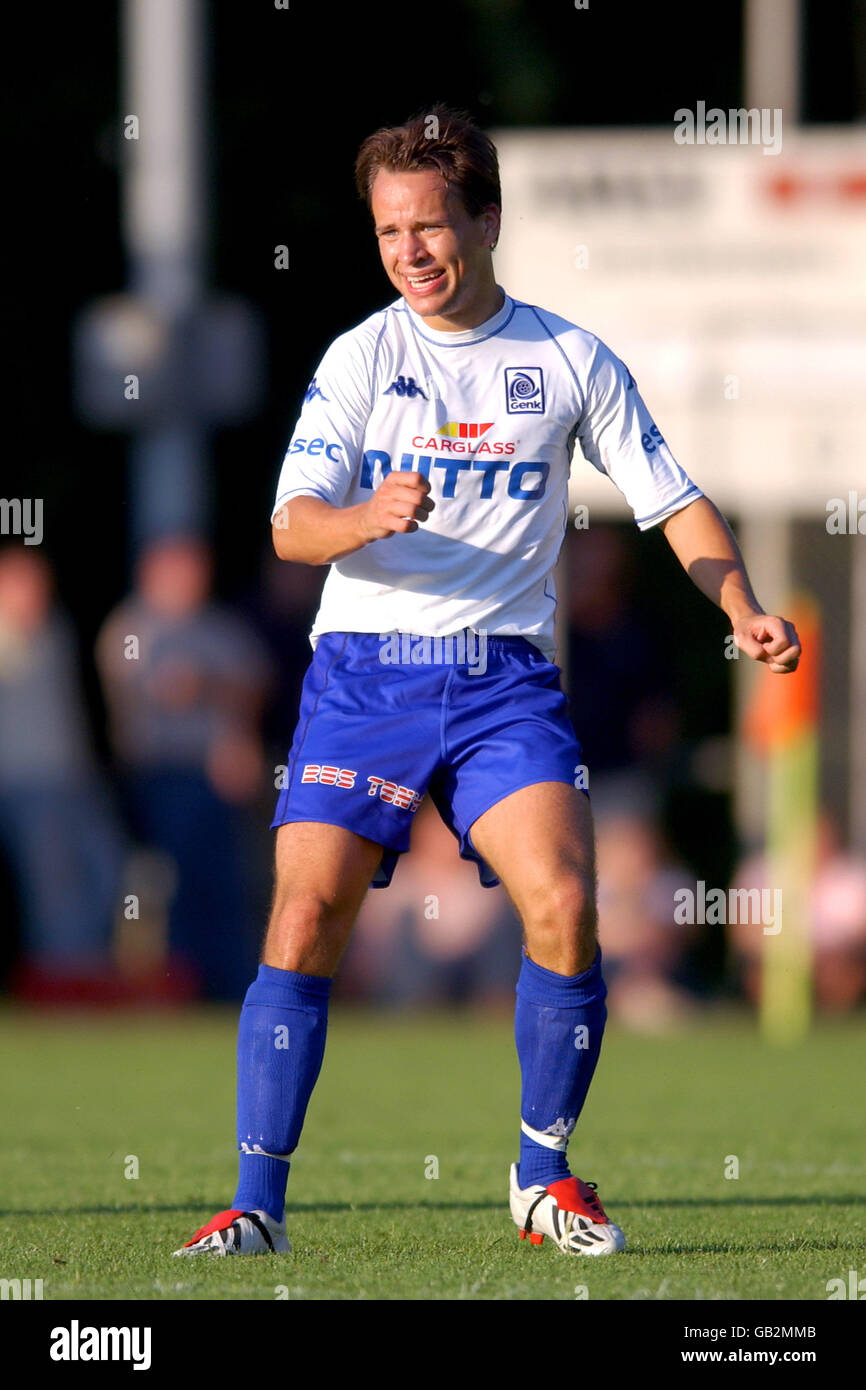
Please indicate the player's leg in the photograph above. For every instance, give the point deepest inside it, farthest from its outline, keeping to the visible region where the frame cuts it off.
(322, 873)
(539, 841)
(354, 780)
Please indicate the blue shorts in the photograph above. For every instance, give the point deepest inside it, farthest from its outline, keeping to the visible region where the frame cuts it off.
(379, 726)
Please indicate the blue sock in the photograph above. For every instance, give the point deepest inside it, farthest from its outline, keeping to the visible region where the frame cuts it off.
(281, 1043)
(558, 1027)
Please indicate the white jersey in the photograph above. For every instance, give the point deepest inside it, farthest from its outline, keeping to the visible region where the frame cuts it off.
(490, 416)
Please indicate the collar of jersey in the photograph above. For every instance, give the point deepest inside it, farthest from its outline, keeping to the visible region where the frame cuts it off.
(488, 329)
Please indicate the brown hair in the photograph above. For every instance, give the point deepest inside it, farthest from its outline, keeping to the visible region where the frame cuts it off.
(441, 139)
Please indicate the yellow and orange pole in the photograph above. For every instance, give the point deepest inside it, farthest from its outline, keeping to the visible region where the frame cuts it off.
(782, 725)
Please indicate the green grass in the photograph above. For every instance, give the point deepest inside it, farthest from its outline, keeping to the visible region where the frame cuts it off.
(81, 1094)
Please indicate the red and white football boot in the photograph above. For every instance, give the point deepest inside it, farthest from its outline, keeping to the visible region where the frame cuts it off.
(569, 1212)
(238, 1233)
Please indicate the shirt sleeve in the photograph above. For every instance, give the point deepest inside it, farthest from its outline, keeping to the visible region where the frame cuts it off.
(619, 437)
(327, 443)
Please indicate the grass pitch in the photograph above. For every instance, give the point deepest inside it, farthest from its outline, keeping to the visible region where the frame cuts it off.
(87, 1101)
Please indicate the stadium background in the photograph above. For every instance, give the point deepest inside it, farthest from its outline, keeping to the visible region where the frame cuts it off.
(283, 112)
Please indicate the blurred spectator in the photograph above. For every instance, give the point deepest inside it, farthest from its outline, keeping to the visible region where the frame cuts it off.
(435, 936)
(643, 948)
(185, 681)
(57, 826)
(282, 609)
(838, 914)
(619, 688)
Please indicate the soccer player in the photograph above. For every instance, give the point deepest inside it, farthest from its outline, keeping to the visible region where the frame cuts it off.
(429, 468)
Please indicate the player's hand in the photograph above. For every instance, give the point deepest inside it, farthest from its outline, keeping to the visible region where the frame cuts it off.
(397, 506)
(772, 640)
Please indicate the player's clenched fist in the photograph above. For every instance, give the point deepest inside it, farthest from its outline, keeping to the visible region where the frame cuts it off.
(397, 505)
(768, 639)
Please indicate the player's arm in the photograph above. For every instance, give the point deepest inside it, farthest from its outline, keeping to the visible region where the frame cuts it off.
(703, 543)
(312, 522)
(620, 438)
(314, 532)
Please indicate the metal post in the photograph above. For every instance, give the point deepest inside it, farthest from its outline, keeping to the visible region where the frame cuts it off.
(164, 228)
(771, 63)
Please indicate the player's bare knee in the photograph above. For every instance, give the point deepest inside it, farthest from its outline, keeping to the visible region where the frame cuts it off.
(563, 911)
(562, 926)
(298, 921)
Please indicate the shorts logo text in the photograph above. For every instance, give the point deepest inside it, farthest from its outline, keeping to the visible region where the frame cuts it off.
(329, 776)
(404, 798)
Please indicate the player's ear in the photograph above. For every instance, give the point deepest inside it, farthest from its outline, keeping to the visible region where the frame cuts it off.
(492, 219)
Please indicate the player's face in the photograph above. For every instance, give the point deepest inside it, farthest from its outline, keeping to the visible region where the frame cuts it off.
(435, 254)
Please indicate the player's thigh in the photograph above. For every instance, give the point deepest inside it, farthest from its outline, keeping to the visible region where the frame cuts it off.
(325, 864)
(540, 842)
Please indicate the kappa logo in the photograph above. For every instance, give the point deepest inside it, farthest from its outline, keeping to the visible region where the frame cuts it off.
(312, 391)
(524, 390)
(405, 386)
(561, 1128)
